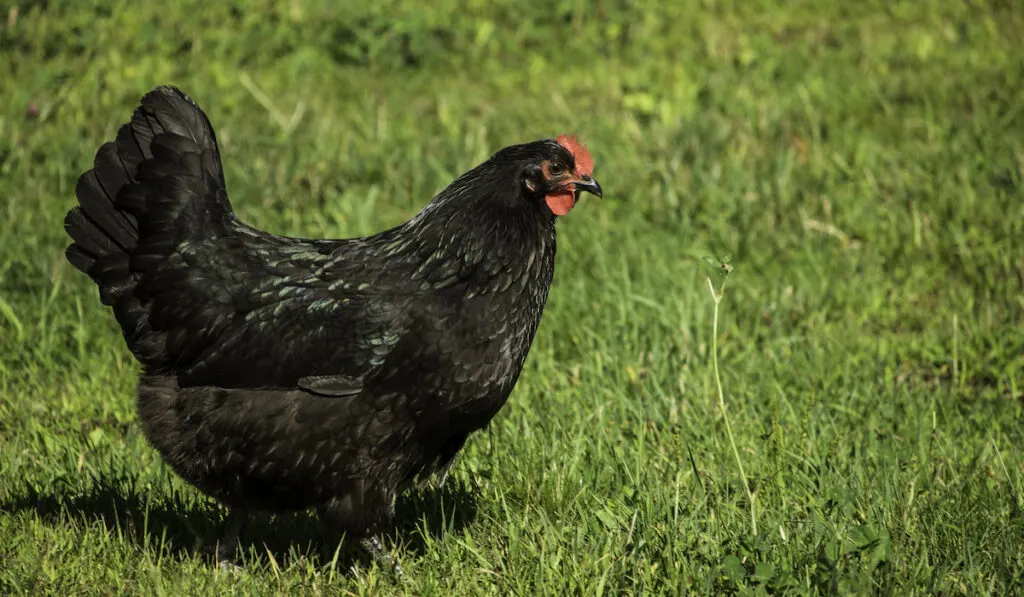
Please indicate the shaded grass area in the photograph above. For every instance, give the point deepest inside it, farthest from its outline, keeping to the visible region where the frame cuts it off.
(860, 164)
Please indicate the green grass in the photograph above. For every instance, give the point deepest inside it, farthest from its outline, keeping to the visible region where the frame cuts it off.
(862, 164)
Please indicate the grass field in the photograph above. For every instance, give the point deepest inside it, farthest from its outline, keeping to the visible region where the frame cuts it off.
(860, 164)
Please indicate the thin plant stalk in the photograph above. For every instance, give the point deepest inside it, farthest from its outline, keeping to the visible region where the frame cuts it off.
(717, 297)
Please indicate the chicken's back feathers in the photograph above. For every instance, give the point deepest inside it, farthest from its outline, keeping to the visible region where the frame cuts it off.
(197, 292)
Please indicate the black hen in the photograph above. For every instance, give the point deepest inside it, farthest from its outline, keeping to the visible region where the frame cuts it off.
(284, 373)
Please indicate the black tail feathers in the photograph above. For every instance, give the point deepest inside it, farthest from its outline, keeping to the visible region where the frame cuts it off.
(159, 163)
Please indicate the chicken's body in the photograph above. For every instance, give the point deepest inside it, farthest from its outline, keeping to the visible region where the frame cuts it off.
(283, 373)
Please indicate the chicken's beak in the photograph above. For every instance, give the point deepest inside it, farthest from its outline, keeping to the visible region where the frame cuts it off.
(589, 184)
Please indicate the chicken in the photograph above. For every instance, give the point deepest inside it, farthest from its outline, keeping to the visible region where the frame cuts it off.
(285, 373)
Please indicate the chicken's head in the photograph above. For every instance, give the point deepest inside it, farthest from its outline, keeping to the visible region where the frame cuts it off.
(559, 172)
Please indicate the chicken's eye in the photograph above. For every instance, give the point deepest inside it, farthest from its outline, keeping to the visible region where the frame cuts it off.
(556, 169)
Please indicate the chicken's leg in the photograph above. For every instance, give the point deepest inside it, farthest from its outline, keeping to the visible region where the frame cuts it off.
(374, 546)
(227, 547)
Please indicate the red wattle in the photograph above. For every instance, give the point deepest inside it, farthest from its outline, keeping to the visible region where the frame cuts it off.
(561, 203)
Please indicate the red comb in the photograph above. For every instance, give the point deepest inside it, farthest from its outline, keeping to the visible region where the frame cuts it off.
(584, 163)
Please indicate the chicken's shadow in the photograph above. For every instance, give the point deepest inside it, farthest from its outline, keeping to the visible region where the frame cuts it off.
(180, 526)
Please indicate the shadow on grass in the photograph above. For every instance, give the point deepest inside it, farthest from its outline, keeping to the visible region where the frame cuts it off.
(182, 526)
